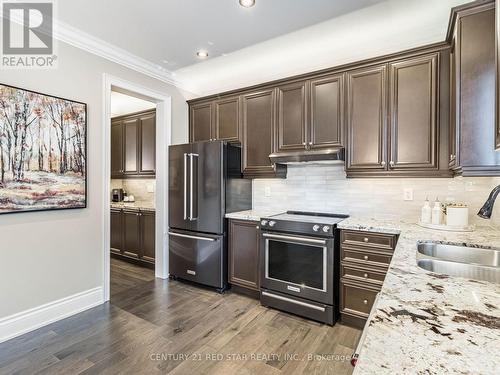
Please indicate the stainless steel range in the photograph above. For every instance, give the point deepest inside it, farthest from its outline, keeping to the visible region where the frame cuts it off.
(300, 268)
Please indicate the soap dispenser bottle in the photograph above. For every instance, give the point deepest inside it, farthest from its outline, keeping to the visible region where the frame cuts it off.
(426, 213)
(437, 214)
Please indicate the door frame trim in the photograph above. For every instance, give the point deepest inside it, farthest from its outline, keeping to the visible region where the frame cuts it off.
(163, 139)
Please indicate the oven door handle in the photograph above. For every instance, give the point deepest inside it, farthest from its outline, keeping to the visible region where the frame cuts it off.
(300, 303)
(292, 238)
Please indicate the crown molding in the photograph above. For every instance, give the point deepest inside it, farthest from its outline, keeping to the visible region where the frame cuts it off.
(84, 41)
(96, 46)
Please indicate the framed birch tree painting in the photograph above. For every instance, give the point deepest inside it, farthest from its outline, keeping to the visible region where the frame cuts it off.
(43, 151)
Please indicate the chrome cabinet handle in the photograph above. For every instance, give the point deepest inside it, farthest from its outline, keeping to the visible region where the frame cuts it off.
(391, 163)
(365, 276)
(365, 239)
(185, 186)
(382, 163)
(365, 302)
(365, 257)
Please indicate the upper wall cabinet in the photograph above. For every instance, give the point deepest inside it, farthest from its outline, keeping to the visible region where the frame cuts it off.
(413, 113)
(133, 145)
(367, 119)
(473, 107)
(292, 117)
(200, 122)
(310, 114)
(227, 119)
(326, 111)
(259, 122)
(215, 120)
(394, 127)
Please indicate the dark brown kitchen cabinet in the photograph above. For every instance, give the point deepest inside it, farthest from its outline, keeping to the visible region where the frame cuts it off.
(244, 254)
(116, 231)
(116, 149)
(367, 119)
(216, 120)
(147, 140)
(147, 234)
(326, 121)
(131, 140)
(227, 122)
(413, 113)
(259, 121)
(292, 117)
(133, 235)
(497, 63)
(364, 260)
(133, 145)
(474, 127)
(200, 122)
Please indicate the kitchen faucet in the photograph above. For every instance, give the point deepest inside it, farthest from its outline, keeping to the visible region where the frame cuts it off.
(486, 211)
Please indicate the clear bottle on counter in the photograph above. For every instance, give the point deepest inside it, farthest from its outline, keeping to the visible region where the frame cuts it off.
(437, 213)
(426, 215)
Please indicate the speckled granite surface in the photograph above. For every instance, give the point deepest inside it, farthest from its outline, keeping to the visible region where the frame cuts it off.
(428, 323)
(145, 206)
(250, 215)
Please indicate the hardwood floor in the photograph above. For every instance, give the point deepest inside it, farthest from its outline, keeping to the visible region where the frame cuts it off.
(154, 326)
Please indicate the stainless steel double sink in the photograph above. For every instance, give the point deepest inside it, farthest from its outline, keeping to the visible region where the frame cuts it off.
(476, 263)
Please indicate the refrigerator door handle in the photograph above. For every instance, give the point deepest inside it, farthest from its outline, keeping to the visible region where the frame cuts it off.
(191, 192)
(185, 186)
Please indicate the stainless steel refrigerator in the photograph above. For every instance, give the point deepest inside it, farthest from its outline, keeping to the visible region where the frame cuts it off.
(205, 183)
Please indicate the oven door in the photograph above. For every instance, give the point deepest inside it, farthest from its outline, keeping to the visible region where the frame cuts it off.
(297, 265)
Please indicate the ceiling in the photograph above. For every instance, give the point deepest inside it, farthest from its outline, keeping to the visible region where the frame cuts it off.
(122, 104)
(169, 32)
(272, 40)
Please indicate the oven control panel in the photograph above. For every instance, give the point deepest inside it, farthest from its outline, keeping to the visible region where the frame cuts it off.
(295, 227)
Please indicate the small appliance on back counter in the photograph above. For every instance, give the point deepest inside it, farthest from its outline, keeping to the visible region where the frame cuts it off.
(117, 195)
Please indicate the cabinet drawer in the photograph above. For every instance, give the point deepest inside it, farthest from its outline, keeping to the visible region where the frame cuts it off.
(365, 257)
(357, 299)
(369, 239)
(362, 274)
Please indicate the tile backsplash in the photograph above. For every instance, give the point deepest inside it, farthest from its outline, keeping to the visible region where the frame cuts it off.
(143, 190)
(315, 187)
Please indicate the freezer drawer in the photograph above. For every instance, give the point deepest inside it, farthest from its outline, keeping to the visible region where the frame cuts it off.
(198, 257)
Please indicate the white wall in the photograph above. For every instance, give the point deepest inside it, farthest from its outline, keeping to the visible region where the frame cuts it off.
(326, 189)
(46, 256)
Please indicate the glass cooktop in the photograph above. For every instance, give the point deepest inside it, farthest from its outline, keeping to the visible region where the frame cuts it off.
(310, 217)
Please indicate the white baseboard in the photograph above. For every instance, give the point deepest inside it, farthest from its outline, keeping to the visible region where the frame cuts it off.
(29, 320)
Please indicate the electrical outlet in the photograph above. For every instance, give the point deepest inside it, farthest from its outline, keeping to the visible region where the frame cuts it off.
(150, 188)
(408, 194)
(267, 191)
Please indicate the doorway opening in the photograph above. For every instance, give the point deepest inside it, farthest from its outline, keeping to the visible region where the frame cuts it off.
(137, 130)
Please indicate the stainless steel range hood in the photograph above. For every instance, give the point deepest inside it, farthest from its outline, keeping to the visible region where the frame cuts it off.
(329, 155)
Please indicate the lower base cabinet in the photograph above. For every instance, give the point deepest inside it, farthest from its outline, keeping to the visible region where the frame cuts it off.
(133, 235)
(365, 258)
(243, 251)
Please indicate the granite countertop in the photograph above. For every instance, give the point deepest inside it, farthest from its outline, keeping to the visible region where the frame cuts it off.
(137, 205)
(427, 323)
(251, 215)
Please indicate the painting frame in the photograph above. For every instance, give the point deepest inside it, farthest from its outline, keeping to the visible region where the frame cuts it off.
(85, 148)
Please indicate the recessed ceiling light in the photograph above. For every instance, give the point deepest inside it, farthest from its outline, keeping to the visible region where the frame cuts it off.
(164, 61)
(247, 3)
(202, 54)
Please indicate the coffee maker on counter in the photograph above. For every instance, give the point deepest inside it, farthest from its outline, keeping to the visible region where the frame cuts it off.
(117, 195)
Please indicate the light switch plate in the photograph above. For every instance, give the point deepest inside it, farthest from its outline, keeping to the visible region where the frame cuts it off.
(408, 194)
(151, 188)
(267, 191)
